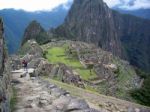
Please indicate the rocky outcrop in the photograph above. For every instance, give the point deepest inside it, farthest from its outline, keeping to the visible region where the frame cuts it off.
(124, 35)
(5, 88)
(36, 32)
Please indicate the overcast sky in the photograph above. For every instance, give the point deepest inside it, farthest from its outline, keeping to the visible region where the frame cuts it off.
(129, 4)
(32, 5)
(36, 5)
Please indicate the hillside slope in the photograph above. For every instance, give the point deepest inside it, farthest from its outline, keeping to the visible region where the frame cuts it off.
(99, 101)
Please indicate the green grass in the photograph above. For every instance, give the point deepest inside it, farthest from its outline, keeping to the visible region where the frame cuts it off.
(13, 100)
(71, 88)
(58, 55)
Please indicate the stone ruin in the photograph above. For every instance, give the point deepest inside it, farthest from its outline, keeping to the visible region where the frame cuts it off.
(102, 63)
(58, 71)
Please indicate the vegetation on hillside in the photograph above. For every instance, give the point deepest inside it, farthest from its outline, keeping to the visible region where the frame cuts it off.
(124, 76)
(13, 100)
(142, 95)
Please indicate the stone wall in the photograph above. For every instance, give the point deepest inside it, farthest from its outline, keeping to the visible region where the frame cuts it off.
(5, 87)
(1, 47)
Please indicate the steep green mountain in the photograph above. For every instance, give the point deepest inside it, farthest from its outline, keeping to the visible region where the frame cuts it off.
(35, 31)
(92, 21)
(124, 35)
(17, 20)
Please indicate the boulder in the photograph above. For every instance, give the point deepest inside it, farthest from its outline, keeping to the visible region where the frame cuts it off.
(57, 92)
(77, 104)
(44, 68)
(62, 102)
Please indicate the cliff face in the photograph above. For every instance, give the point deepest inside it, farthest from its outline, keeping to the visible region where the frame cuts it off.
(35, 31)
(124, 35)
(135, 38)
(4, 75)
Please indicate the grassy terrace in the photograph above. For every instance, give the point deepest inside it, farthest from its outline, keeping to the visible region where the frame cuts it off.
(58, 55)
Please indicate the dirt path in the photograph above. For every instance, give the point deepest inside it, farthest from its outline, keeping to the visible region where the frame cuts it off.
(27, 94)
(101, 102)
(34, 95)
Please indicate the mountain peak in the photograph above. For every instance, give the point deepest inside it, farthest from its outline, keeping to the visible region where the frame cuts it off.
(35, 31)
(92, 21)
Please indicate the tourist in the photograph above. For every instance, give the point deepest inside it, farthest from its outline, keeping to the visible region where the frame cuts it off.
(25, 65)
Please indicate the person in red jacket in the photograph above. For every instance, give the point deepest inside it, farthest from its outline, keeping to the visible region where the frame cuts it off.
(25, 65)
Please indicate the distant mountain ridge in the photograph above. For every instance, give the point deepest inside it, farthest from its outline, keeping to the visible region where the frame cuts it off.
(124, 35)
(143, 13)
(17, 20)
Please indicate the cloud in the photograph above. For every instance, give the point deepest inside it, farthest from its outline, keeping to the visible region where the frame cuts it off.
(129, 4)
(68, 4)
(38, 5)
(32, 5)
(112, 3)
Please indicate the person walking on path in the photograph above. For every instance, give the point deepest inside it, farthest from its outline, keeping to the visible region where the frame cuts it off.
(25, 65)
